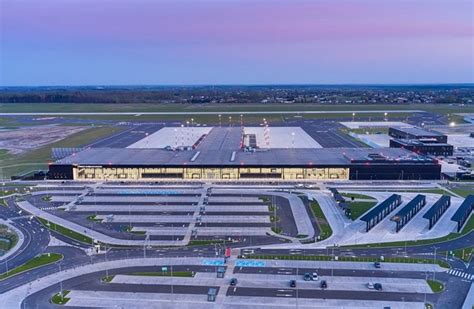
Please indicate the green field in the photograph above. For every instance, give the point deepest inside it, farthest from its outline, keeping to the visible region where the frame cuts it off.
(236, 107)
(323, 224)
(38, 159)
(38, 261)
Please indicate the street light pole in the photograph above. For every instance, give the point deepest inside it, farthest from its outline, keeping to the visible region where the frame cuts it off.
(434, 262)
(61, 284)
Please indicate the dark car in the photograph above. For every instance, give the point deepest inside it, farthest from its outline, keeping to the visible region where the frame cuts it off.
(324, 284)
(307, 277)
(233, 281)
(293, 283)
(377, 265)
(378, 286)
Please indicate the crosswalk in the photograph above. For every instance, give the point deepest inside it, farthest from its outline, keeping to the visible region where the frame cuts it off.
(49, 208)
(461, 274)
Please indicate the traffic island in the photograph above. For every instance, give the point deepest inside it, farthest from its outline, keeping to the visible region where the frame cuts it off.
(435, 286)
(60, 298)
(41, 260)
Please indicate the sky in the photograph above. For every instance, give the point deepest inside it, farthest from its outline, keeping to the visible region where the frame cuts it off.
(173, 42)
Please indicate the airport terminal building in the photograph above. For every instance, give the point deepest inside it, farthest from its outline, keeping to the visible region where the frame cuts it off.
(221, 154)
(285, 164)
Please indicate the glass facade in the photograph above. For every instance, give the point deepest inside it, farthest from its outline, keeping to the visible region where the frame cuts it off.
(151, 173)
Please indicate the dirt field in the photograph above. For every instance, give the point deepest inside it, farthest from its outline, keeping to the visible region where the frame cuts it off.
(23, 139)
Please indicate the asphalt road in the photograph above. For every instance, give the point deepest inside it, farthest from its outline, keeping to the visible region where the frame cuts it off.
(36, 238)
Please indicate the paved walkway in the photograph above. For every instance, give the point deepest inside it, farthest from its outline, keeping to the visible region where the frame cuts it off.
(469, 301)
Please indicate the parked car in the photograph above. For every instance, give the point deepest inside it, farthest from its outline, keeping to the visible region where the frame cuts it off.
(233, 281)
(370, 285)
(324, 285)
(378, 286)
(307, 277)
(377, 265)
(315, 276)
(293, 283)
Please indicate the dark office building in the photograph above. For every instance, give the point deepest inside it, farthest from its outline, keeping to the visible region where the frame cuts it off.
(427, 148)
(415, 133)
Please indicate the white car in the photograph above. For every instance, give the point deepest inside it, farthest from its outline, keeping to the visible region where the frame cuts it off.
(370, 285)
(315, 276)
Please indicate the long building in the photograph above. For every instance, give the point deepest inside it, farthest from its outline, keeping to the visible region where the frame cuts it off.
(287, 164)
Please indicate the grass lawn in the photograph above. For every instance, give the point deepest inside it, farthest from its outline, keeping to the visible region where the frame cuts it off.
(65, 231)
(273, 218)
(441, 263)
(93, 218)
(464, 254)
(372, 130)
(46, 198)
(358, 208)
(164, 274)
(38, 261)
(434, 191)
(463, 192)
(9, 237)
(357, 196)
(323, 224)
(435, 286)
(107, 278)
(59, 299)
(276, 230)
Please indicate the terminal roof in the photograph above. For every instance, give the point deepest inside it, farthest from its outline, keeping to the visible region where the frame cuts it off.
(267, 157)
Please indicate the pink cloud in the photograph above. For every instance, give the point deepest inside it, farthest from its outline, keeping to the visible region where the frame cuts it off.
(211, 21)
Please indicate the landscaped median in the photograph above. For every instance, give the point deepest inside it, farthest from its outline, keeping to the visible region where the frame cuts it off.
(325, 228)
(41, 260)
(163, 274)
(441, 263)
(60, 299)
(65, 231)
(435, 286)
